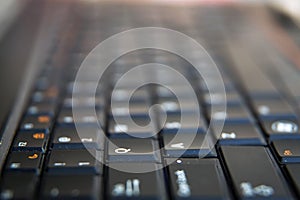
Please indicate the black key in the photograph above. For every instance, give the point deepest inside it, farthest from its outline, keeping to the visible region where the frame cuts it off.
(273, 108)
(34, 122)
(71, 187)
(75, 161)
(133, 149)
(83, 102)
(49, 95)
(188, 145)
(24, 161)
(281, 128)
(123, 94)
(18, 185)
(125, 185)
(172, 106)
(197, 179)
(288, 151)
(85, 116)
(124, 129)
(67, 137)
(135, 109)
(254, 174)
(235, 113)
(245, 133)
(44, 108)
(232, 98)
(293, 171)
(190, 123)
(30, 141)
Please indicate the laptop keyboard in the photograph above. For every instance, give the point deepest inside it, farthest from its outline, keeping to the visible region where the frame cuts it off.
(256, 157)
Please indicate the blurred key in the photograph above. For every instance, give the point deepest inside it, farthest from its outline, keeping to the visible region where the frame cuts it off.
(24, 161)
(139, 109)
(293, 172)
(75, 161)
(254, 174)
(273, 108)
(188, 145)
(33, 122)
(71, 187)
(46, 108)
(18, 185)
(235, 113)
(125, 185)
(197, 179)
(67, 137)
(189, 123)
(288, 151)
(133, 149)
(244, 133)
(85, 116)
(30, 141)
(124, 128)
(281, 128)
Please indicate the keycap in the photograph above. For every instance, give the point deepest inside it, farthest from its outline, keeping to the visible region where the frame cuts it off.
(30, 141)
(124, 128)
(235, 113)
(281, 128)
(254, 174)
(42, 108)
(71, 187)
(85, 116)
(172, 106)
(133, 149)
(189, 123)
(232, 98)
(288, 151)
(24, 161)
(34, 122)
(67, 137)
(135, 109)
(49, 95)
(188, 145)
(18, 185)
(83, 102)
(197, 179)
(293, 172)
(244, 133)
(126, 185)
(273, 108)
(75, 161)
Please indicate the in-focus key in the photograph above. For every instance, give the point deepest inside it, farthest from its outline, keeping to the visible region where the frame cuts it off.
(288, 151)
(197, 179)
(254, 174)
(131, 185)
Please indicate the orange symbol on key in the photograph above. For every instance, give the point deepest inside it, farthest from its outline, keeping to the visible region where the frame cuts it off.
(287, 152)
(43, 119)
(38, 135)
(34, 156)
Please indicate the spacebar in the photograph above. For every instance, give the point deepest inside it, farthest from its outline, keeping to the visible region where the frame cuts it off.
(254, 174)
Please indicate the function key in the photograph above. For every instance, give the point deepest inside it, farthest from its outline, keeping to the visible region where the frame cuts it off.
(30, 141)
(24, 161)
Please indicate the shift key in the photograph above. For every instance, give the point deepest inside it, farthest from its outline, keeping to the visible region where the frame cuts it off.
(254, 174)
